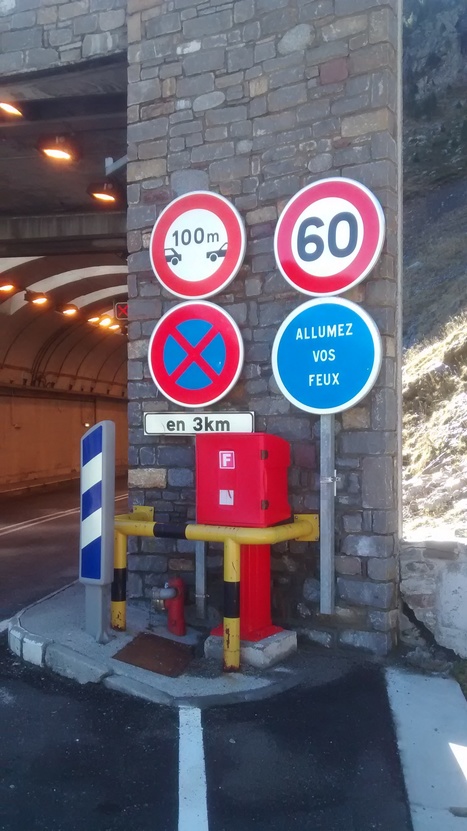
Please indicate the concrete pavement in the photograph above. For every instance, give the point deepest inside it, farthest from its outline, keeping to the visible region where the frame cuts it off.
(51, 633)
(430, 715)
(429, 712)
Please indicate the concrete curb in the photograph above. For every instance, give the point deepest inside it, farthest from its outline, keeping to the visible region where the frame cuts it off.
(430, 718)
(73, 654)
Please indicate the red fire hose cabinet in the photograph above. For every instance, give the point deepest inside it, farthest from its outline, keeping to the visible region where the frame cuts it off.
(241, 479)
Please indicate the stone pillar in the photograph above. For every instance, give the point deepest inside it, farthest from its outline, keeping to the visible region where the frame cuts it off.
(38, 35)
(255, 99)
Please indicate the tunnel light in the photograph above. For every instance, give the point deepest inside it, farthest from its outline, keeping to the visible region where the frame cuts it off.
(58, 148)
(36, 297)
(93, 319)
(69, 310)
(7, 287)
(10, 109)
(105, 192)
(114, 326)
(105, 321)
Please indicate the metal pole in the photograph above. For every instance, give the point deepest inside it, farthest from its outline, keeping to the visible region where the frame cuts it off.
(96, 611)
(327, 497)
(231, 606)
(118, 594)
(200, 579)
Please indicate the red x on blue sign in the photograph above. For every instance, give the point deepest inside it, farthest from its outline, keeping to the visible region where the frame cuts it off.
(195, 354)
(121, 310)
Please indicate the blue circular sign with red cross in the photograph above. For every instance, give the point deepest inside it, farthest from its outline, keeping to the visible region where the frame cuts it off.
(197, 245)
(195, 354)
(329, 236)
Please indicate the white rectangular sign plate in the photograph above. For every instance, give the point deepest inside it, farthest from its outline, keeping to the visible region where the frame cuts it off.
(189, 424)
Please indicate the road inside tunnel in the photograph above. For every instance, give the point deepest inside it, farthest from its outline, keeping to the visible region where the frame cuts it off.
(39, 542)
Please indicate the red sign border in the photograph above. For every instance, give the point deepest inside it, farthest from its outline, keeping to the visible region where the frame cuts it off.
(234, 361)
(236, 234)
(374, 229)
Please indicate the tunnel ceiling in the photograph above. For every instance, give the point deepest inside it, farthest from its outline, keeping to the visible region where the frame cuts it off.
(54, 238)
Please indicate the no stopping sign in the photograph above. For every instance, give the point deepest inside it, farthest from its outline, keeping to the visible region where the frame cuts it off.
(195, 354)
(329, 236)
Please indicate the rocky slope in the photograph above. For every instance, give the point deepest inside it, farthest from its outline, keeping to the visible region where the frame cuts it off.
(435, 268)
(435, 81)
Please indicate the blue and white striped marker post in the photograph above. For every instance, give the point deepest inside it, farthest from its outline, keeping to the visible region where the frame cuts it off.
(96, 548)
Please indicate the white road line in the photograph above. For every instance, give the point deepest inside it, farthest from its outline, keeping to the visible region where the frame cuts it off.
(31, 523)
(4, 625)
(192, 795)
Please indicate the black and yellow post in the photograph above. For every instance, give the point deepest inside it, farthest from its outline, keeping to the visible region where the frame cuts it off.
(231, 606)
(118, 591)
(140, 523)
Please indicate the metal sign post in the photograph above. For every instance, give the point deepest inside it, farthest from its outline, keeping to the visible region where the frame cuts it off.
(96, 553)
(327, 353)
(326, 357)
(326, 510)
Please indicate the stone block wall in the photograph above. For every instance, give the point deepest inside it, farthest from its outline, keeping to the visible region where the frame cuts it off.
(434, 586)
(42, 34)
(255, 99)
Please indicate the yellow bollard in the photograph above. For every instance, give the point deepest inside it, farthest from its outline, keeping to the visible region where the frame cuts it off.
(231, 606)
(141, 523)
(118, 593)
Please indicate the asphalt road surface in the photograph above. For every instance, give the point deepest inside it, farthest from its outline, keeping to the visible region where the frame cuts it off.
(320, 757)
(39, 539)
(83, 758)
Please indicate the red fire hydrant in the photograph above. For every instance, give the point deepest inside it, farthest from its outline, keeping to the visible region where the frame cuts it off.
(175, 607)
(172, 598)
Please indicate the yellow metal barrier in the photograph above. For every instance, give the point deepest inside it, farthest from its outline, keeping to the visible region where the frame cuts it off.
(140, 523)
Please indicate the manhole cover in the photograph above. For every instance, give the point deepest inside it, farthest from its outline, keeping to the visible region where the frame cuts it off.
(156, 654)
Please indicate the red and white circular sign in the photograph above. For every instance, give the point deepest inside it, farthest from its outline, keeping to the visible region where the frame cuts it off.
(329, 236)
(195, 354)
(197, 245)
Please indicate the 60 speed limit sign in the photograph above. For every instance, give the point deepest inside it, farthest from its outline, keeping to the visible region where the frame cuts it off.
(329, 236)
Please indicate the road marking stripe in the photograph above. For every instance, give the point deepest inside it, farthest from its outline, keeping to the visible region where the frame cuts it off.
(30, 523)
(192, 794)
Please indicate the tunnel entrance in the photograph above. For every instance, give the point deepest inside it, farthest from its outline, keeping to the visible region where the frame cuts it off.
(63, 356)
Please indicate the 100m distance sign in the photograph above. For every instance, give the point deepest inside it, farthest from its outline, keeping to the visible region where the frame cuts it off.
(197, 245)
